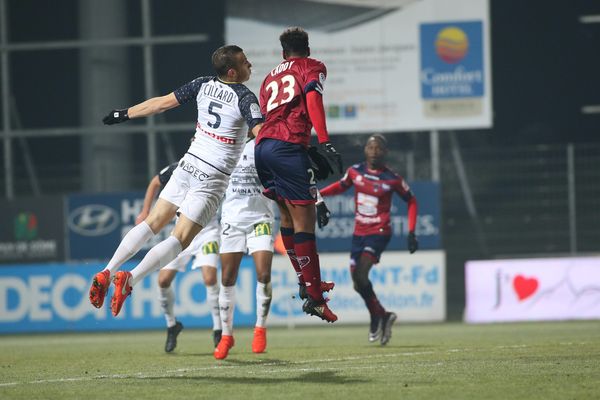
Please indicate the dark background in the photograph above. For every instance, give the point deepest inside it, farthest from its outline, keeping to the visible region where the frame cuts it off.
(545, 67)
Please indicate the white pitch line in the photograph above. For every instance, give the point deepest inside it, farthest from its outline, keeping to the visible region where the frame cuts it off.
(284, 364)
(169, 373)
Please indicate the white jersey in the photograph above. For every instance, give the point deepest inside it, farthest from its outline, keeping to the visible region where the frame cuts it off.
(224, 110)
(244, 203)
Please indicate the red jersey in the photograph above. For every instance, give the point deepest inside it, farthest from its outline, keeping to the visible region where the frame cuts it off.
(373, 191)
(283, 99)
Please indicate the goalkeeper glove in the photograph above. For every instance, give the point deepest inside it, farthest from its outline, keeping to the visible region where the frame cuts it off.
(333, 157)
(413, 244)
(116, 117)
(322, 215)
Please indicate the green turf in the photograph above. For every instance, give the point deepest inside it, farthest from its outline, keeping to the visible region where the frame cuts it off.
(441, 361)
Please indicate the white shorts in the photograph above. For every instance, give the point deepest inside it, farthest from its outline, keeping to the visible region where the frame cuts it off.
(255, 238)
(196, 188)
(204, 248)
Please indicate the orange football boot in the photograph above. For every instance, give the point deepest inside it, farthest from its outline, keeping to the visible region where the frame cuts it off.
(224, 346)
(99, 288)
(259, 343)
(122, 291)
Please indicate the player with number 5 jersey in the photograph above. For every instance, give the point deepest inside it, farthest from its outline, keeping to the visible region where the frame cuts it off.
(196, 188)
(291, 100)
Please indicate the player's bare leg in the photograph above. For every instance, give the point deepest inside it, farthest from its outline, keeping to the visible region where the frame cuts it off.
(381, 320)
(209, 275)
(160, 215)
(230, 265)
(304, 218)
(167, 303)
(264, 293)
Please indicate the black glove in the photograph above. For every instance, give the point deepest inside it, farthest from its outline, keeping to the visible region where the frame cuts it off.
(116, 117)
(322, 215)
(413, 243)
(319, 163)
(333, 157)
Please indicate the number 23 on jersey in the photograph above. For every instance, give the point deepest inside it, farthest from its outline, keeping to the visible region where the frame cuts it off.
(282, 91)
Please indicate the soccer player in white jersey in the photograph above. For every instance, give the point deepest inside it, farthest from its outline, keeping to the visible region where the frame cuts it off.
(204, 250)
(198, 184)
(247, 219)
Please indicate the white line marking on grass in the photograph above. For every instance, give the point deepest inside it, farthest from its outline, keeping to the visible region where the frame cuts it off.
(180, 371)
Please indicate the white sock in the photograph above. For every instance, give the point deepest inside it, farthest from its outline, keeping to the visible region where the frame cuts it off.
(158, 256)
(226, 305)
(212, 300)
(130, 245)
(167, 303)
(264, 293)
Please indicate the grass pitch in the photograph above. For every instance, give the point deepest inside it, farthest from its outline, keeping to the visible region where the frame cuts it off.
(440, 361)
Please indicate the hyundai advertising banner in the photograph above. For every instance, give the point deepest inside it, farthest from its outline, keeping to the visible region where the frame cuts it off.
(337, 235)
(32, 230)
(532, 289)
(392, 65)
(54, 297)
(97, 223)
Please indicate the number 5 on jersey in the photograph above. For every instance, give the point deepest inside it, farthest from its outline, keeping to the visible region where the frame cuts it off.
(281, 92)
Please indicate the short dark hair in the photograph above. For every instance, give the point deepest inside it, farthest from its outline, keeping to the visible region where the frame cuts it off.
(294, 40)
(379, 137)
(224, 58)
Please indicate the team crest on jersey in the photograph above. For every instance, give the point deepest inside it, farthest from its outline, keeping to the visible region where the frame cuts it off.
(210, 248)
(262, 229)
(321, 78)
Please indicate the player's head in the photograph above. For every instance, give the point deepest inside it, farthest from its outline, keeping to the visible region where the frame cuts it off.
(230, 64)
(294, 42)
(376, 150)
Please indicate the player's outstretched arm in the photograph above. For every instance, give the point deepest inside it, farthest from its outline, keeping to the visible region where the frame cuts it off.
(413, 243)
(151, 106)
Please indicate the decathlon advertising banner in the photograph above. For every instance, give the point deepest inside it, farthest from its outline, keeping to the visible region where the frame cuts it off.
(532, 289)
(97, 223)
(411, 285)
(337, 235)
(392, 65)
(32, 230)
(54, 297)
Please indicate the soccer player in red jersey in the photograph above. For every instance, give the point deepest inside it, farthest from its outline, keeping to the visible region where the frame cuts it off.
(291, 99)
(374, 184)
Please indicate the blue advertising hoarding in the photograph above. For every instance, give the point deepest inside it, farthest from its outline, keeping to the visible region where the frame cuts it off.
(97, 223)
(337, 235)
(54, 297)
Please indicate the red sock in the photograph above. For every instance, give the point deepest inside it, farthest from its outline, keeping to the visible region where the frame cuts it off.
(375, 307)
(308, 261)
(287, 237)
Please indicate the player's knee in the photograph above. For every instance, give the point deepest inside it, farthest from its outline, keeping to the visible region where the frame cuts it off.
(164, 282)
(263, 277)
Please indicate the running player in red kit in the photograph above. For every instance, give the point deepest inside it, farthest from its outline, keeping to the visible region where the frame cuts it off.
(374, 185)
(291, 99)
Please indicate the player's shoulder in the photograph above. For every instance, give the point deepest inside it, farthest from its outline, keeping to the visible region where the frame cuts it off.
(390, 175)
(203, 79)
(360, 167)
(241, 90)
